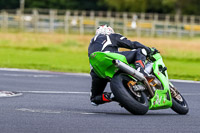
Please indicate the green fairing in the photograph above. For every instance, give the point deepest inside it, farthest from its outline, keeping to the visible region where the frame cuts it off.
(102, 63)
(104, 68)
(160, 100)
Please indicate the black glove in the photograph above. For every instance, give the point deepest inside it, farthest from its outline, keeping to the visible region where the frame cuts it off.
(153, 51)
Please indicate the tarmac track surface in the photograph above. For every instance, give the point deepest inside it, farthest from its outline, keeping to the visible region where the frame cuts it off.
(59, 103)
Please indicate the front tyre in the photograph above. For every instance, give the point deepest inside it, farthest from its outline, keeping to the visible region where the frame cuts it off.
(135, 103)
(179, 104)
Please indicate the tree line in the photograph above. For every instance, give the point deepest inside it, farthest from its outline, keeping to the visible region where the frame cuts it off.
(188, 7)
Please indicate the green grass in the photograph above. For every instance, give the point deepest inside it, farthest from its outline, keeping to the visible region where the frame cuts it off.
(183, 64)
(68, 53)
(67, 60)
(182, 68)
(67, 56)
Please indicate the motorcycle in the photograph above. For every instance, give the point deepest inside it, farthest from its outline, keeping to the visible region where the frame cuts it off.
(132, 90)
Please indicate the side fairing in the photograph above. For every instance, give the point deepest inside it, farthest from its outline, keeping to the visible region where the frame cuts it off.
(101, 63)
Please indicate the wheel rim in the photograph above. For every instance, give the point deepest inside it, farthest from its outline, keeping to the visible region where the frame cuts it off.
(138, 96)
(179, 99)
(177, 96)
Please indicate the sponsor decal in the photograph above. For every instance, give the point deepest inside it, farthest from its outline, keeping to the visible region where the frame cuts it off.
(159, 99)
(93, 55)
(164, 99)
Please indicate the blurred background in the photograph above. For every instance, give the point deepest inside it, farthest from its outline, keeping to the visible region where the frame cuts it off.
(131, 17)
(54, 34)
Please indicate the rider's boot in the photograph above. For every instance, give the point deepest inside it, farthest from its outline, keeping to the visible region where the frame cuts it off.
(106, 97)
(139, 65)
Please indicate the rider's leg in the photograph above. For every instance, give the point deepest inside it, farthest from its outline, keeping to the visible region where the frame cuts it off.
(140, 64)
(97, 95)
(137, 57)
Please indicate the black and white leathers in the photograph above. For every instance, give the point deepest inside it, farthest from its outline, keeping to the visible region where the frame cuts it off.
(112, 42)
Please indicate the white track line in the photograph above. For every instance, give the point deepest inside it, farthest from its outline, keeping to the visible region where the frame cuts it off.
(191, 94)
(30, 75)
(54, 92)
(40, 71)
(38, 111)
(184, 81)
(45, 111)
(20, 70)
(85, 93)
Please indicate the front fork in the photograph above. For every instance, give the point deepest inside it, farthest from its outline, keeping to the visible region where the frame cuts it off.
(174, 92)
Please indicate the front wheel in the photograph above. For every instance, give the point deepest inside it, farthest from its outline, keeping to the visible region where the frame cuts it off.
(179, 104)
(134, 102)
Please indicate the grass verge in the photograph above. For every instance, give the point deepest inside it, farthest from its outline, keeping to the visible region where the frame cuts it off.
(68, 53)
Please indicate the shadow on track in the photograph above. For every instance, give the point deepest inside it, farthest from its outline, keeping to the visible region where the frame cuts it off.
(122, 113)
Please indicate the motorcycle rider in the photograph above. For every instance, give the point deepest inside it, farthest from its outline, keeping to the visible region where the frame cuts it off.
(106, 40)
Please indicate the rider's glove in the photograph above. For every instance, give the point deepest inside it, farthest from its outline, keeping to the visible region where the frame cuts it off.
(153, 51)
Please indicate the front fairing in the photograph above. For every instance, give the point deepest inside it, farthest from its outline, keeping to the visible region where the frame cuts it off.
(162, 98)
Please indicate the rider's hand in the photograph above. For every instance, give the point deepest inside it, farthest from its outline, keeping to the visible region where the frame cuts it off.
(153, 51)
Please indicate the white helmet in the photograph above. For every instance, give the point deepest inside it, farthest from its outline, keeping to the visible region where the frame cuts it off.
(104, 29)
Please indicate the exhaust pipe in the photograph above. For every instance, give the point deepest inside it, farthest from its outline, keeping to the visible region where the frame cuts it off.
(133, 72)
(127, 69)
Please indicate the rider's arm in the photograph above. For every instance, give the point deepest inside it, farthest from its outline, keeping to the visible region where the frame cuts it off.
(123, 42)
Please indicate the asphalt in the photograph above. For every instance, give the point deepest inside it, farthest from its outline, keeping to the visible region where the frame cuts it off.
(59, 103)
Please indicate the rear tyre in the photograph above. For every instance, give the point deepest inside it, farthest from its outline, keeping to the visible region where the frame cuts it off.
(135, 103)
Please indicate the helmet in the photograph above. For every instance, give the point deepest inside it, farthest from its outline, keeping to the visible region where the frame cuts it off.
(104, 29)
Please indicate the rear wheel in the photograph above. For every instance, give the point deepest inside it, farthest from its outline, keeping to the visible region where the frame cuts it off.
(179, 104)
(134, 102)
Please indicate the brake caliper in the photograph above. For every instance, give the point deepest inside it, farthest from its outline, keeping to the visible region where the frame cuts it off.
(131, 84)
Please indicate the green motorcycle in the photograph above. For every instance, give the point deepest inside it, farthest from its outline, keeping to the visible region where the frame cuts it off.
(130, 87)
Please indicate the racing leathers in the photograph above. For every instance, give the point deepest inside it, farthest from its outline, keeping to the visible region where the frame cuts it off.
(111, 43)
